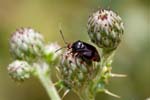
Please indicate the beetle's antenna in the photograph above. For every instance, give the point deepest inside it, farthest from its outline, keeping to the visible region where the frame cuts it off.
(61, 33)
(60, 48)
(60, 30)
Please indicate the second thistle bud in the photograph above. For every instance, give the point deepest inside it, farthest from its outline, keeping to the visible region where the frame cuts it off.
(26, 44)
(105, 29)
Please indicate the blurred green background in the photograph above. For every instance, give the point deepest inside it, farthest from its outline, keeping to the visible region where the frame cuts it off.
(132, 58)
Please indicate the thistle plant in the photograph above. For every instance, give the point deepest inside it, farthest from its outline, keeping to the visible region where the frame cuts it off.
(85, 77)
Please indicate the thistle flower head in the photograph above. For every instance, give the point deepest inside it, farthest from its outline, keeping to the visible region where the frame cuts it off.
(75, 72)
(26, 44)
(50, 52)
(105, 29)
(19, 70)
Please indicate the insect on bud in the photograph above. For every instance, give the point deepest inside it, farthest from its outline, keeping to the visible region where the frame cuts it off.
(105, 29)
(19, 70)
(75, 71)
(26, 44)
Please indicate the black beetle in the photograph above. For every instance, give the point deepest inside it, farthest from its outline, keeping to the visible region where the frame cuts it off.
(82, 50)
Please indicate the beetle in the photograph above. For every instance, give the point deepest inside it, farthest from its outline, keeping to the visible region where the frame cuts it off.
(82, 50)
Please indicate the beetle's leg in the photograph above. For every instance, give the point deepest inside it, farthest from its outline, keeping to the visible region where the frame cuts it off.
(75, 55)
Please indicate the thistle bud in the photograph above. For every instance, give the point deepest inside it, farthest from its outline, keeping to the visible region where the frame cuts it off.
(19, 70)
(77, 73)
(26, 44)
(50, 52)
(105, 29)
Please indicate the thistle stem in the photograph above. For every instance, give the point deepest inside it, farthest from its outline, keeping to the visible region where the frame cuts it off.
(47, 82)
(85, 96)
